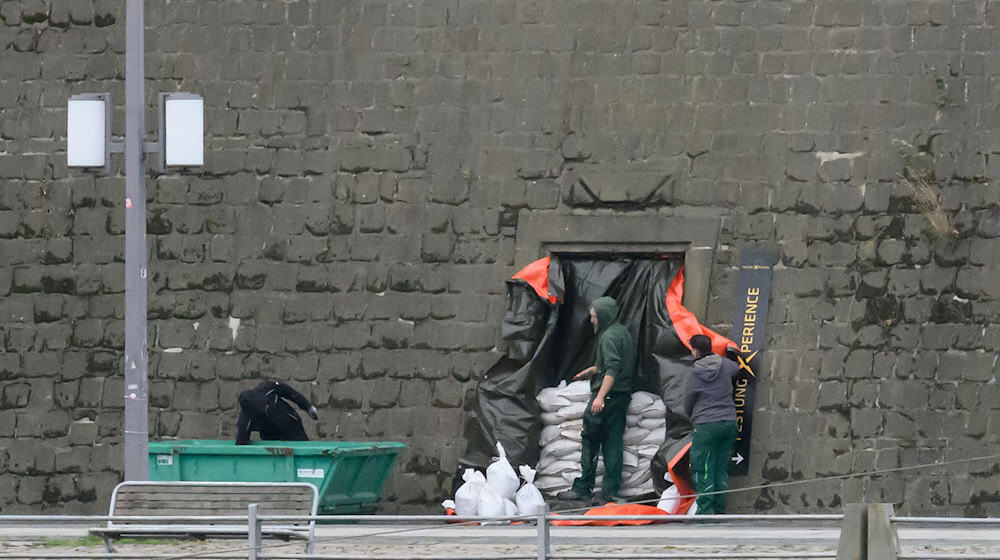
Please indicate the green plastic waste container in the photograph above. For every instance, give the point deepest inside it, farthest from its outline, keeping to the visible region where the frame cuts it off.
(349, 475)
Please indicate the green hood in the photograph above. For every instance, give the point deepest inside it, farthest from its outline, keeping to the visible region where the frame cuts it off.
(606, 309)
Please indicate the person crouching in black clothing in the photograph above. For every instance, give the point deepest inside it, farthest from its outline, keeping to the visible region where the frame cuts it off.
(264, 409)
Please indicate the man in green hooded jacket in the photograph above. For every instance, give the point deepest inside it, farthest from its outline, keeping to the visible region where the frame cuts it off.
(611, 390)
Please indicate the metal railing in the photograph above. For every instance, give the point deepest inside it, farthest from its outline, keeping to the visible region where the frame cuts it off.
(867, 531)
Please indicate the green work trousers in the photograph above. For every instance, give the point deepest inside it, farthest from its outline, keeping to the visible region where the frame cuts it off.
(711, 450)
(604, 432)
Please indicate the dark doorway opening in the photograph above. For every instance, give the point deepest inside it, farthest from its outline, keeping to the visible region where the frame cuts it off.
(639, 283)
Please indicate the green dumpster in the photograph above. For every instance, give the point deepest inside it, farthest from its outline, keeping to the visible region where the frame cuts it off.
(349, 475)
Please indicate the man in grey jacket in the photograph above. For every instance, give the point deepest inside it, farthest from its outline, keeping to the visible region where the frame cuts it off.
(708, 402)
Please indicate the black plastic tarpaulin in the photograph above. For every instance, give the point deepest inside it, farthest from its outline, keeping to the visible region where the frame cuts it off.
(549, 338)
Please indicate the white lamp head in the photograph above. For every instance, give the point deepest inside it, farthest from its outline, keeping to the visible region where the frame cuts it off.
(182, 130)
(88, 130)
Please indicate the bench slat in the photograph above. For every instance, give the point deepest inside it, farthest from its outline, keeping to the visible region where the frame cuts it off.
(152, 502)
(296, 493)
(206, 511)
(193, 489)
(199, 501)
(119, 531)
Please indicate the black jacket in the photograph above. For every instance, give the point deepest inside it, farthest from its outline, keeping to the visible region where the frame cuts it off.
(264, 409)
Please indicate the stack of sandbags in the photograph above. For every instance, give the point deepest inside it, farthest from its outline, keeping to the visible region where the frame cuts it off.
(645, 428)
(562, 424)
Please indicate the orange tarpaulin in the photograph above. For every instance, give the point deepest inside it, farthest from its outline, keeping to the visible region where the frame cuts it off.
(683, 488)
(686, 324)
(612, 509)
(536, 275)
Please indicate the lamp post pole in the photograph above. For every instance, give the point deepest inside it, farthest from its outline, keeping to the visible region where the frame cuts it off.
(136, 352)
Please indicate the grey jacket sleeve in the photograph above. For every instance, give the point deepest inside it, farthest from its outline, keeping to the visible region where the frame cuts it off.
(690, 395)
(730, 369)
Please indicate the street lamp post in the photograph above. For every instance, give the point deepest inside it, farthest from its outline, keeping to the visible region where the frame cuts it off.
(136, 351)
(88, 144)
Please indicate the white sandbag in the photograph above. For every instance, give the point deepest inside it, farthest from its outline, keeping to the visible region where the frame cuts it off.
(634, 435)
(637, 478)
(572, 434)
(656, 410)
(448, 504)
(548, 434)
(490, 503)
(637, 491)
(652, 423)
(572, 424)
(528, 498)
(630, 458)
(647, 451)
(555, 490)
(577, 391)
(670, 500)
(655, 437)
(633, 420)
(547, 483)
(561, 447)
(467, 495)
(545, 465)
(501, 476)
(636, 475)
(544, 461)
(640, 401)
(550, 399)
(571, 412)
(510, 508)
(560, 467)
(693, 509)
(570, 476)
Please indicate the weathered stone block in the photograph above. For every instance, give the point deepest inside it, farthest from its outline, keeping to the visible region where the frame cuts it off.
(832, 363)
(30, 490)
(83, 432)
(859, 364)
(15, 395)
(393, 334)
(866, 422)
(863, 392)
(383, 393)
(73, 459)
(943, 397)
(903, 394)
(967, 396)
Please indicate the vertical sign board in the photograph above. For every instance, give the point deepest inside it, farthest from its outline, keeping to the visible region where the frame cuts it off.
(752, 294)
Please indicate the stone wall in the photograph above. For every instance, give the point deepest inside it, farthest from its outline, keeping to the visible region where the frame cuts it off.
(366, 167)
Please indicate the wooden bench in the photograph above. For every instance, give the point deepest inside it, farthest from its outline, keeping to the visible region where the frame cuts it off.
(134, 498)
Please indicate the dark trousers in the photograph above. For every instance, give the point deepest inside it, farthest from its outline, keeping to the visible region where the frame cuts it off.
(711, 450)
(604, 432)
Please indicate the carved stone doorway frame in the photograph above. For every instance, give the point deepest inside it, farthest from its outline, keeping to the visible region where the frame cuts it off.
(541, 234)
